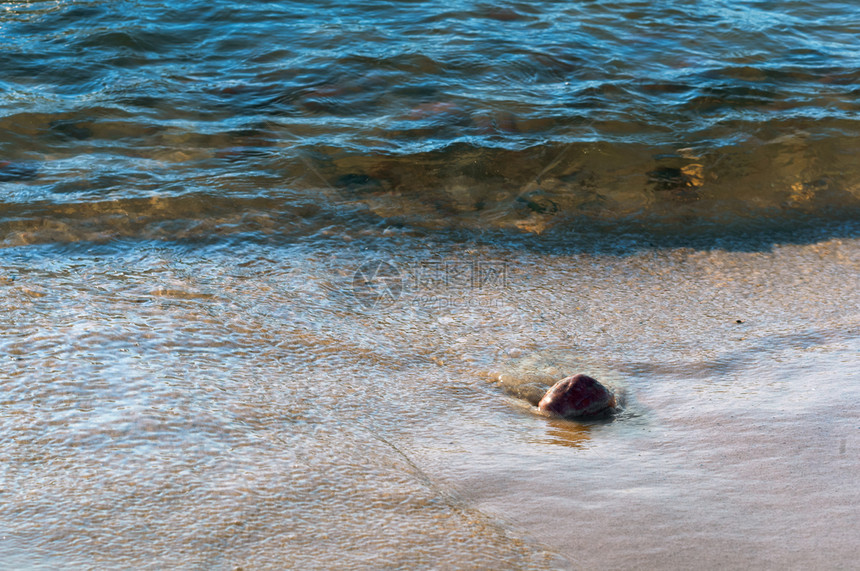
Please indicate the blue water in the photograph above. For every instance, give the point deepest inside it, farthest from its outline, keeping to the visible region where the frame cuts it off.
(524, 117)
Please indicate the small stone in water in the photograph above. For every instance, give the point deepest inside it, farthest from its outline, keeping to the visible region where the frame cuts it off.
(579, 395)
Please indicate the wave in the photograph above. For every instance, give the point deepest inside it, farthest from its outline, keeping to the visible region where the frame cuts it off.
(181, 121)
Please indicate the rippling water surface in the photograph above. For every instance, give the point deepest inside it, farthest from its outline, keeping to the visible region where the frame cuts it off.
(273, 276)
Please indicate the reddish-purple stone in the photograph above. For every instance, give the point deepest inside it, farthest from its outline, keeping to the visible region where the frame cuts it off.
(579, 395)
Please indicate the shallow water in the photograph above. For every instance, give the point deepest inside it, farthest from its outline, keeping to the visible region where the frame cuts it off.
(272, 273)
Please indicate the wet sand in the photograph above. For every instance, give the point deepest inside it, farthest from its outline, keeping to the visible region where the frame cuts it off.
(240, 406)
(700, 481)
(739, 448)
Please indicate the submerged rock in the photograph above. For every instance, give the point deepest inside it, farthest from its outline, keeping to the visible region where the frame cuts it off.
(71, 130)
(577, 396)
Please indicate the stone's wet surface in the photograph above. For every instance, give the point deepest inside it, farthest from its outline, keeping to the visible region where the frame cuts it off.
(577, 396)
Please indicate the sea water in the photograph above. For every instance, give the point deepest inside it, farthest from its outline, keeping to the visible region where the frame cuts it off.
(275, 274)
